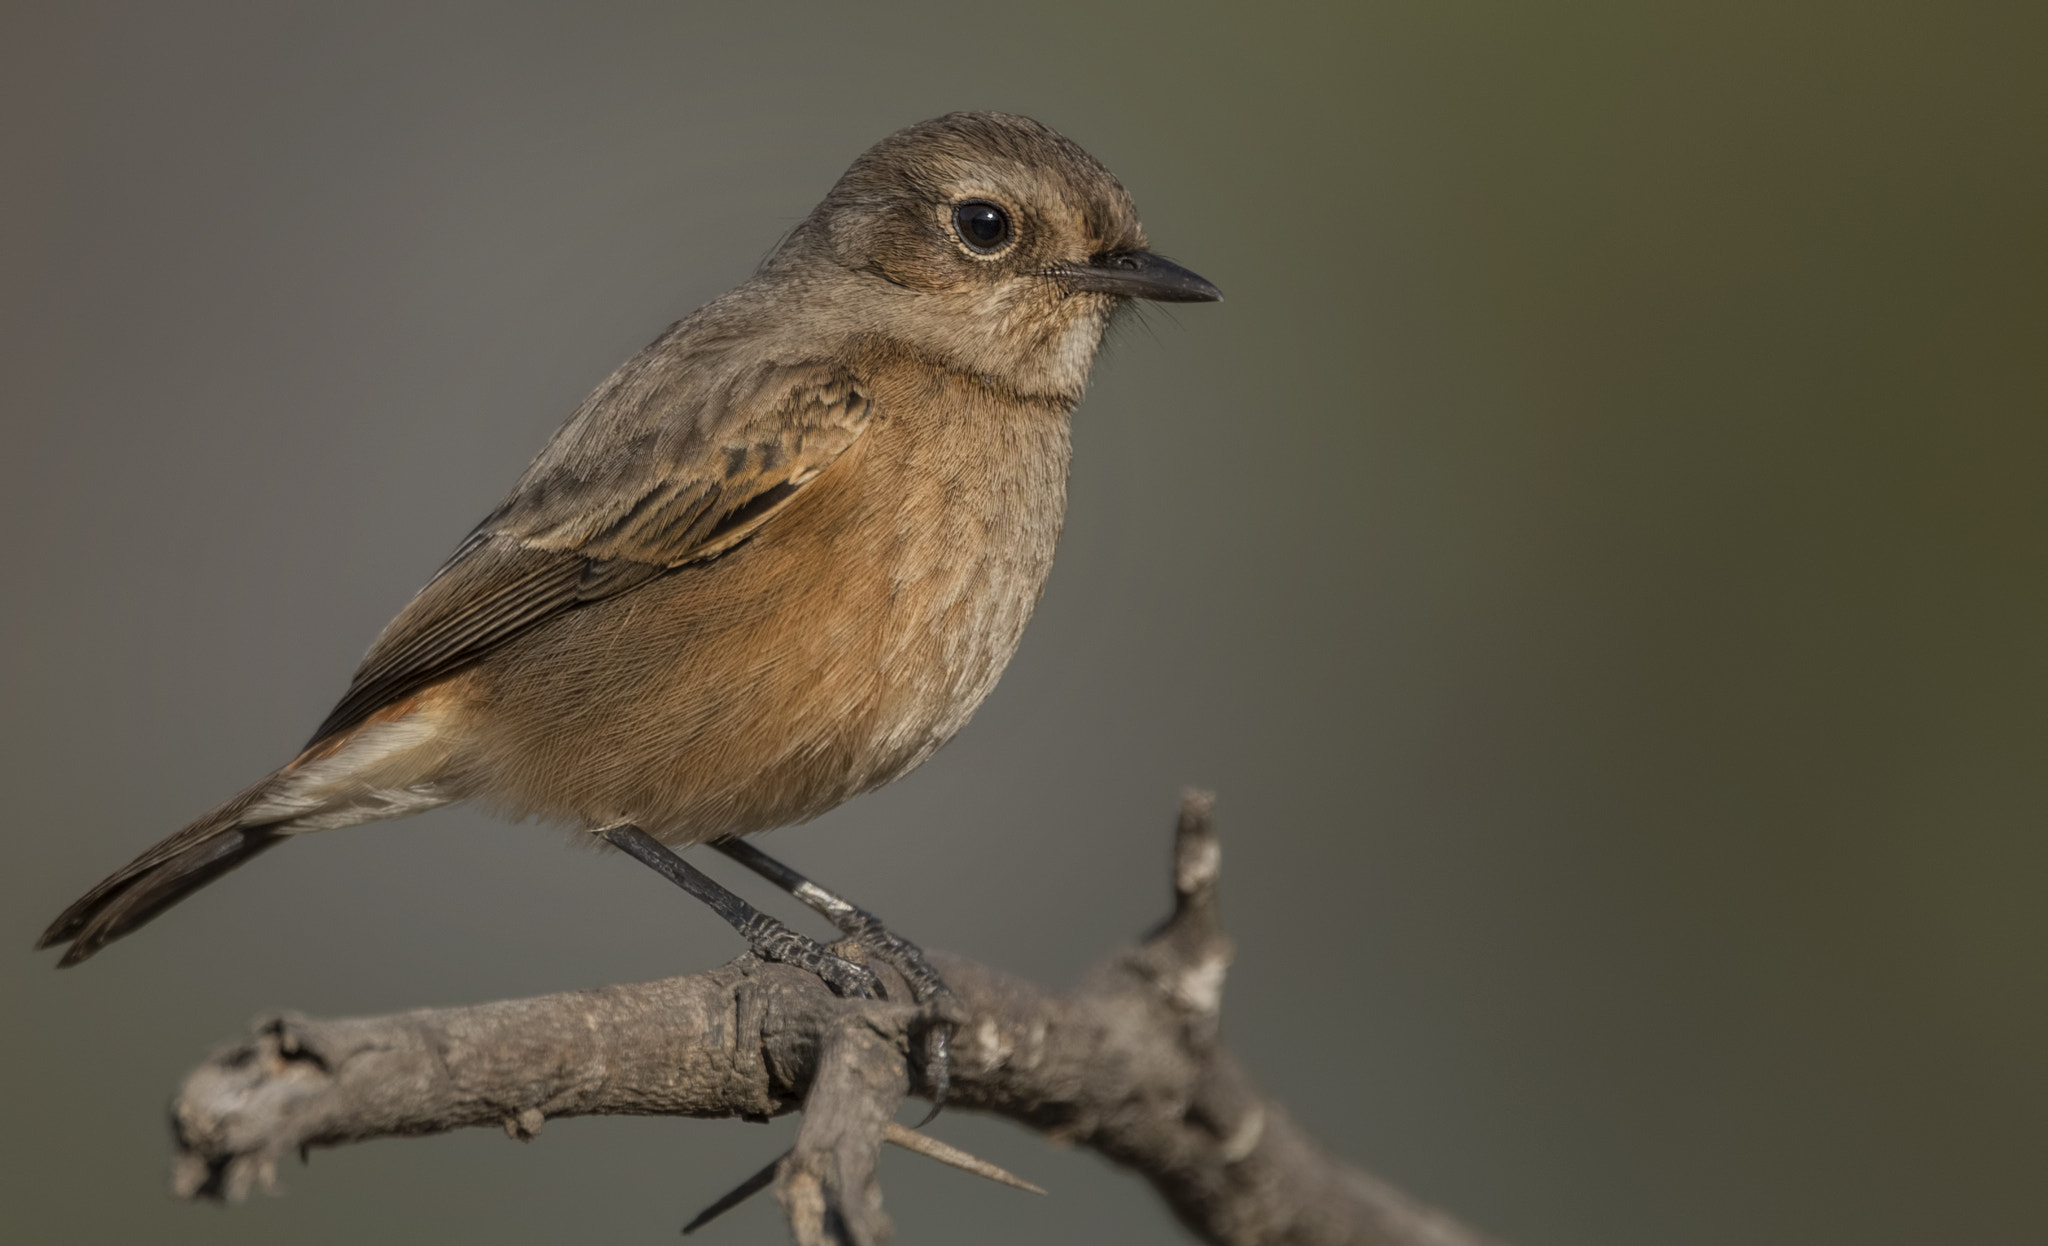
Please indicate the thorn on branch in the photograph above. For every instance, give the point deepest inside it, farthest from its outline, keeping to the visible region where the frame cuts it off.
(738, 1194)
(946, 1153)
(897, 1135)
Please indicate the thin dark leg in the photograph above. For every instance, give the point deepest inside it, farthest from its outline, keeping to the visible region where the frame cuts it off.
(929, 990)
(770, 939)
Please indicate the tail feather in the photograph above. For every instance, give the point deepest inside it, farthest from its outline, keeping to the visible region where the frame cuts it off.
(160, 877)
(390, 765)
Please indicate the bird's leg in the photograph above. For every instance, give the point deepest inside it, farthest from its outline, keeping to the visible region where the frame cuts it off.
(942, 1008)
(769, 938)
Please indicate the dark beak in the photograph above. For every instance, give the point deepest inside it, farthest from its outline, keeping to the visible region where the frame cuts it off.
(1138, 275)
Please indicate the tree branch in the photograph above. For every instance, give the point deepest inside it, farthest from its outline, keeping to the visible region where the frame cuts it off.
(1129, 1065)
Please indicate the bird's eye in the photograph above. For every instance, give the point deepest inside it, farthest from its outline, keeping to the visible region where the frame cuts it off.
(983, 226)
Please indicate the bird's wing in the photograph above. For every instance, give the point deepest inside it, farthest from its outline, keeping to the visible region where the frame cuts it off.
(673, 460)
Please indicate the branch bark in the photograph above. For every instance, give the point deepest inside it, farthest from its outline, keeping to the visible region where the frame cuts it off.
(1129, 1065)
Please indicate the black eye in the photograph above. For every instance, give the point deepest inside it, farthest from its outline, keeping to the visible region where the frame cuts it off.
(983, 226)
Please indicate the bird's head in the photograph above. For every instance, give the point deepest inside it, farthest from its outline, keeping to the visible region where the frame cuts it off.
(988, 241)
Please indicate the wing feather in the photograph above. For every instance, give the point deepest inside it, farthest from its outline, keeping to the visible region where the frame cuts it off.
(673, 460)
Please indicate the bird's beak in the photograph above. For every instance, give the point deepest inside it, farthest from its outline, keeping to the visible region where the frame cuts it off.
(1137, 275)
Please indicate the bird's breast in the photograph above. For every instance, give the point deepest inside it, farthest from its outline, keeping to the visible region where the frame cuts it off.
(834, 651)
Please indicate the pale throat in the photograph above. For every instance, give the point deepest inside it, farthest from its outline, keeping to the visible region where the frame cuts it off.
(1074, 351)
(1058, 363)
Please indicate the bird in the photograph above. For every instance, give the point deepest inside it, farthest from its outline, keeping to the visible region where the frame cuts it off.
(775, 560)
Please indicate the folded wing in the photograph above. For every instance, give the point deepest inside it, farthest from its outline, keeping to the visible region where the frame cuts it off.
(673, 460)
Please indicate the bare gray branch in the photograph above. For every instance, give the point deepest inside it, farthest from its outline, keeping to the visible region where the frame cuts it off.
(1128, 1065)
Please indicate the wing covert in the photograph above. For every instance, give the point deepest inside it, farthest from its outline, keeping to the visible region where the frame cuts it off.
(656, 470)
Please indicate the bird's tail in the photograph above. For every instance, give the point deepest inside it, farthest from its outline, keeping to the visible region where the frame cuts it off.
(164, 875)
(390, 766)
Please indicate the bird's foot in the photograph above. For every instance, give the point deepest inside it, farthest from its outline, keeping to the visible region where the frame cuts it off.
(941, 1012)
(770, 940)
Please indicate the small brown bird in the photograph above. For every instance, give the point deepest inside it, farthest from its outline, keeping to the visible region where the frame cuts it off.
(774, 561)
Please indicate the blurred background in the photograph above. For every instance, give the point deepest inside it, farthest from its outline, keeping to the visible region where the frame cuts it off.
(1596, 553)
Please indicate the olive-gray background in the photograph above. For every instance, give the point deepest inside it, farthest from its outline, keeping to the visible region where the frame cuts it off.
(1596, 552)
